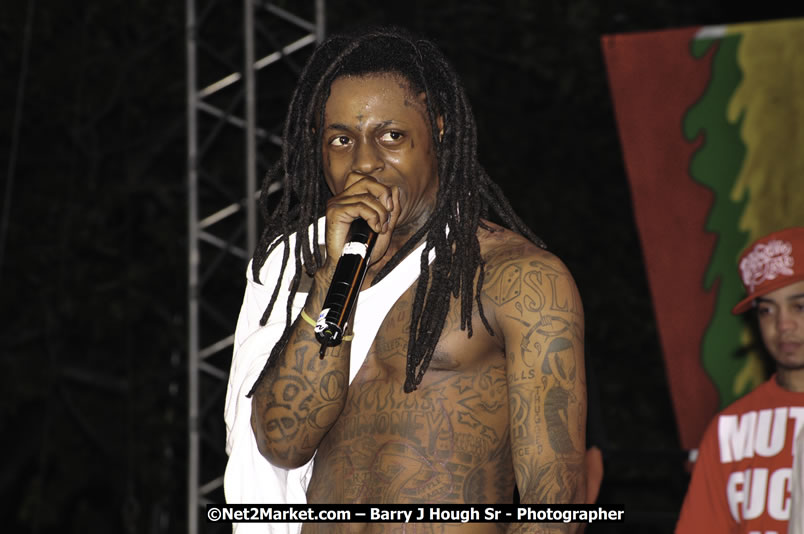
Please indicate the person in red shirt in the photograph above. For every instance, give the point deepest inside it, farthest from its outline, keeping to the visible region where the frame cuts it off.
(741, 481)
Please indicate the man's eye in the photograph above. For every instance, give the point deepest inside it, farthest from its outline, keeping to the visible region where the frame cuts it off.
(391, 136)
(341, 140)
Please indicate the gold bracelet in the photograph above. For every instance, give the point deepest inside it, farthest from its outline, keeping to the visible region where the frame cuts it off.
(309, 320)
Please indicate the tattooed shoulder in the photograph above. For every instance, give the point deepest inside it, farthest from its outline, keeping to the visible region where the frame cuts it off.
(527, 284)
(507, 260)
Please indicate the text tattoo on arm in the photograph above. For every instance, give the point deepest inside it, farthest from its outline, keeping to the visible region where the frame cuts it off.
(545, 366)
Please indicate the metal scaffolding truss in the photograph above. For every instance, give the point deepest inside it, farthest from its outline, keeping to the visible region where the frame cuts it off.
(232, 136)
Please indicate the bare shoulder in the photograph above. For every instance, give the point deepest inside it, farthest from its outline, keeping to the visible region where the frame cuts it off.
(501, 248)
(525, 284)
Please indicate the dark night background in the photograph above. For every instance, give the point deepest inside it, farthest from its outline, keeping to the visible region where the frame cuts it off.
(93, 250)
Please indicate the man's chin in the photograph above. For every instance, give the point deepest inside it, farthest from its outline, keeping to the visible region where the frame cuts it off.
(790, 363)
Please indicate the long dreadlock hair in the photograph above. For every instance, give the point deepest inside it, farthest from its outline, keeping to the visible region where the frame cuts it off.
(465, 191)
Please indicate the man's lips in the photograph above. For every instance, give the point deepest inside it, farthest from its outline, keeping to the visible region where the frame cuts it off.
(789, 346)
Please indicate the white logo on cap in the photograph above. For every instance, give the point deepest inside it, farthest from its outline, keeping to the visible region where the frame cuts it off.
(767, 262)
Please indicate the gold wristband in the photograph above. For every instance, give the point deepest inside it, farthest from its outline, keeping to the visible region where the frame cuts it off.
(309, 320)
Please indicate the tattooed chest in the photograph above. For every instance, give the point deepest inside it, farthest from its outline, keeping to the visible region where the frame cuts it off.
(440, 443)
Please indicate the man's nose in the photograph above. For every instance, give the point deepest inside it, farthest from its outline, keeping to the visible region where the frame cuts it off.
(367, 159)
(785, 321)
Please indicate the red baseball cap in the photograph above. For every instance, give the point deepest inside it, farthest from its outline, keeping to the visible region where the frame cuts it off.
(771, 262)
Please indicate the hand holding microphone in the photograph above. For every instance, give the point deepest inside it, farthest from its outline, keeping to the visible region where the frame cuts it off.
(362, 242)
(346, 283)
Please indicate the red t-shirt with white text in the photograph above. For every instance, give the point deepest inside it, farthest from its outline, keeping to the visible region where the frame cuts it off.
(741, 480)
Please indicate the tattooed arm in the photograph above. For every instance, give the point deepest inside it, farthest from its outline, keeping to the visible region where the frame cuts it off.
(541, 318)
(301, 395)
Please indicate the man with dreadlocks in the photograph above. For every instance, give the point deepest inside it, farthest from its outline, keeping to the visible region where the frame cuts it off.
(465, 376)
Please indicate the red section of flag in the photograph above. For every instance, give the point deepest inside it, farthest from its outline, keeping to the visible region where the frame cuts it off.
(654, 80)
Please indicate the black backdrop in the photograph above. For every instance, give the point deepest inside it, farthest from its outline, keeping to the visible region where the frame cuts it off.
(93, 257)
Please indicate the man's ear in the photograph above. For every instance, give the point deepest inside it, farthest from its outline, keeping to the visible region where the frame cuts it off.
(439, 119)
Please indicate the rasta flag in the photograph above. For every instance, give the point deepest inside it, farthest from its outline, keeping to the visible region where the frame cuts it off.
(711, 125)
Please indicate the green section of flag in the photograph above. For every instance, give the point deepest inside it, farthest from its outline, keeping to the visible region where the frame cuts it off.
(717, 165)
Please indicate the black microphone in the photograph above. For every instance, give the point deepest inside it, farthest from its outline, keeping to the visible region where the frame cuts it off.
(346, 282)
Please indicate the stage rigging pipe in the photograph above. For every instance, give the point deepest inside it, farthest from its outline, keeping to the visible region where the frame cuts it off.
(192, 274)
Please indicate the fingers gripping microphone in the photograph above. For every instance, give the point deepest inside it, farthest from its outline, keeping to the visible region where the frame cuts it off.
(346, 282)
